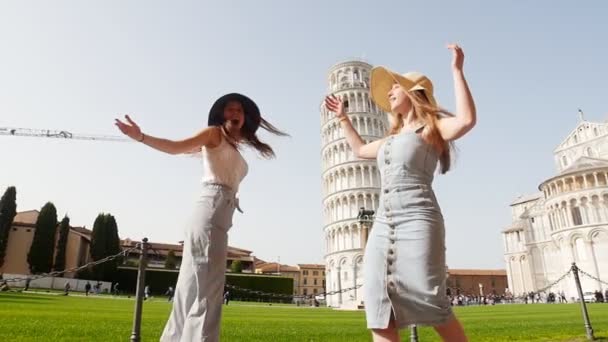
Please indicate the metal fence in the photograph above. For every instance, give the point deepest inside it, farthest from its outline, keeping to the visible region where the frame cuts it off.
(144, 247)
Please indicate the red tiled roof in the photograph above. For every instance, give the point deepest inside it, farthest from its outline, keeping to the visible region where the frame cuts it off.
(318, 266)
(477, 272)
(272, 267)
(29, 217)
(82, 230)
(26, 217)
(258, 261)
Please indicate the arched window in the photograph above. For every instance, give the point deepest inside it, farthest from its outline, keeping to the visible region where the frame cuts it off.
(577, 219)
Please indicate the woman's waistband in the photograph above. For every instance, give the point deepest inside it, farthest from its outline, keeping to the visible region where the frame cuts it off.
(226, 190)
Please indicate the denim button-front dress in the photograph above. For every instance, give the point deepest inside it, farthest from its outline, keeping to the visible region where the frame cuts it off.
(404, 263)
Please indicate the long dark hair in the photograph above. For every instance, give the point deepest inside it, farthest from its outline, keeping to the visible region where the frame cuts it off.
(248, 132)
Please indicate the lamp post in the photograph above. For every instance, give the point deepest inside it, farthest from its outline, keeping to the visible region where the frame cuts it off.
(366, 218)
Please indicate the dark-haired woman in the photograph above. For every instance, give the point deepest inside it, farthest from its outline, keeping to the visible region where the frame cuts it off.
(233, 122)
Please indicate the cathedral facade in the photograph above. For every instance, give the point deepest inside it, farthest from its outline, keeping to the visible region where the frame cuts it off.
(565, 221)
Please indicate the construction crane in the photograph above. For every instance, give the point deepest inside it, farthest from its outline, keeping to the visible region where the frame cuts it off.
(47, 133)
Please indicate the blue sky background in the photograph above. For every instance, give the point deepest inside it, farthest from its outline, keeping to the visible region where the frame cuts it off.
(75, 66)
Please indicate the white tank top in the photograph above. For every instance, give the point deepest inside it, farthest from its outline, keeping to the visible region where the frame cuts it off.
(224, 164)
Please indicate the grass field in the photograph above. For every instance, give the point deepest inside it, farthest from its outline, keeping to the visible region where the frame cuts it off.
(51, 317)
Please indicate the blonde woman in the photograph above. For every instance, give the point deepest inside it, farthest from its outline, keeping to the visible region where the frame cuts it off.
(404, 263)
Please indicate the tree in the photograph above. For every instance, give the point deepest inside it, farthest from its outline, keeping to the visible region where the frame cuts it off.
(8, 210)
(64, 231)
(105, 242)
(40, 256)
(236, 266)
(98, 241)
(171, 262)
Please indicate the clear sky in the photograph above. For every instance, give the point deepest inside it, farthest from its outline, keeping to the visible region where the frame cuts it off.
(75, 65)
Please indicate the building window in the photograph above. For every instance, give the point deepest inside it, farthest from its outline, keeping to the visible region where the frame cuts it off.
(305, 292)
(305, 281)
(532, 219)
(518, 237)
(315, 273)
(323, 283)
(314, 291)
(305, 272)
(315, 281)
(564, 161)
(577, 219)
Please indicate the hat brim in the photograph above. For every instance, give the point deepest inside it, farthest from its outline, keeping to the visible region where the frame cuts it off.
(382, 81)
(250, 108)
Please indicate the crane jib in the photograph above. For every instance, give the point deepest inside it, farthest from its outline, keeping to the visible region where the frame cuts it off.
(47, 133)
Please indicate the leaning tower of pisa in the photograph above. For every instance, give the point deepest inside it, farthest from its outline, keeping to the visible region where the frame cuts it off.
(348, 183)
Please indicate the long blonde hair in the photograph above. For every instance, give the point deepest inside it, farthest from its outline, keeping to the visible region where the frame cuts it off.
(423, 111)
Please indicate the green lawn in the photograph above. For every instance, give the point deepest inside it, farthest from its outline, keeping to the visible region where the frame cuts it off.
(51, 317)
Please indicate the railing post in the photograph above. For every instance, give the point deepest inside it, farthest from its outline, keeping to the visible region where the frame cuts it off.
(413, 333)
(139, 294)
(579, 288)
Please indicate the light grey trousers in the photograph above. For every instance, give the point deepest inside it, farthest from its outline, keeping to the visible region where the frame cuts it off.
(197, 305)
